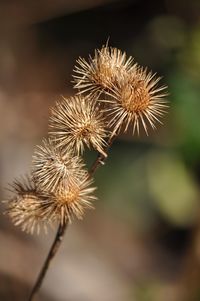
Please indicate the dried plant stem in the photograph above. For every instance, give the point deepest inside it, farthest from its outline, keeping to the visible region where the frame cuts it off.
(62, 227)
(54, 248)
(100, 160)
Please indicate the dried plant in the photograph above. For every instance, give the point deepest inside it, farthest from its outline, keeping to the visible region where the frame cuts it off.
(136, 99)
(54, 168)
(71, 201)
(114, 94)
(132, 94)
(101, 72)
(27, 208)
(76, 122)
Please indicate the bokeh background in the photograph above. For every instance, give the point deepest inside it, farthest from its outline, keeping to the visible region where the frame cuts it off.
(142, 243)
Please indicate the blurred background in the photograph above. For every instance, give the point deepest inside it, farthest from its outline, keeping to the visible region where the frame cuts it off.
(142, 243)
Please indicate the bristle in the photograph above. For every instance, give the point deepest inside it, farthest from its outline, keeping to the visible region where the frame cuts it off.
(27, 208)
(71, 201)
(54, 168)
(136, 100)
(101, 71)
(78, 122)
(33, 209)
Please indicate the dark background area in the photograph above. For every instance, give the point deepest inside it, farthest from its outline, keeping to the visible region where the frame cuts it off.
(142, 241)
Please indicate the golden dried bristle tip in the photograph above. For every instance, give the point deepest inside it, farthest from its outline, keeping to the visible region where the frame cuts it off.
(102, 70)
(72, 201)
(53, 168)
(77, 122)
(27, 208)
(136, 99)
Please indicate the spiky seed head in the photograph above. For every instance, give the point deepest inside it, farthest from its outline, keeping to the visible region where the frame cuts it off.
(32, 209)
(71, 201)
(53, 169)
(77, 122)
(136, 99)
(27, 208)
(102, 70)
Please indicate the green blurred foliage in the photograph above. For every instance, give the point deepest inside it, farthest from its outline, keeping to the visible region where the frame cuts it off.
(185, 115)
(147, 180)
(147, 291)
(172, 188)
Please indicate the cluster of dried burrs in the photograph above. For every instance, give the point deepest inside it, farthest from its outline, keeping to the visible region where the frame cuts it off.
(114, 94)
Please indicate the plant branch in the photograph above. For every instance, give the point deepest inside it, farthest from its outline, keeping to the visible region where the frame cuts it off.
(54, 248)
(100, 160)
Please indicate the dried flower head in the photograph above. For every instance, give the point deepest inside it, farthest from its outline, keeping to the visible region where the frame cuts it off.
(71, 201)
(136, 99)
(27, 209)
(32, 209)
(76, 122)
(53, 168)
(100, 72)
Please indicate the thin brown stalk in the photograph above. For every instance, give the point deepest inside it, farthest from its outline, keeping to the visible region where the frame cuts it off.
(54, 248)
(100, 160)
(62, 228)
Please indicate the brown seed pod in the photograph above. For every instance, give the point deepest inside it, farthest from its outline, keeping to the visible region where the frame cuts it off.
(27, 208)
(71, 201)
(53, 168)
(136, 99)
(77, 122)
(102, 70)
